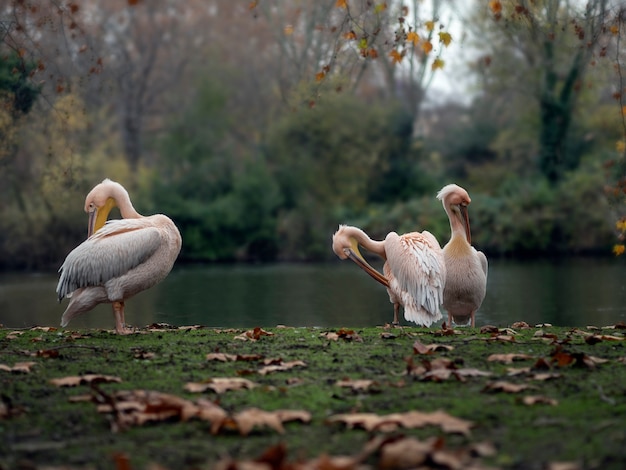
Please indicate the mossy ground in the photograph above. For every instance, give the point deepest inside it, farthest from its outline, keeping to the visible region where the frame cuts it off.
(586, 426)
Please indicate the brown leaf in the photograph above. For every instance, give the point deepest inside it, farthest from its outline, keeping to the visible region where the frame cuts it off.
(73, 381)
(410, 420)
(408, 452)
(254, 417)
(419, 348)
(507, 387)
(221, 357)
(357, 385)
(220, 385)
(281, 367)
(513, 371)
(538, 399)
(520, 325)
(253, 335)
(489, 329)
(21, 367)
(508, 358)
(14, 335)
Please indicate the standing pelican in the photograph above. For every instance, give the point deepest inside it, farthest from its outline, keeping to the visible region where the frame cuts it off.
(119, 259)
(414, 269)
(466, 280)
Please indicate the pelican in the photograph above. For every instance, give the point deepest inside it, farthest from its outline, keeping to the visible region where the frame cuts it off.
(414, 269)
(466, 279)
(119, 259)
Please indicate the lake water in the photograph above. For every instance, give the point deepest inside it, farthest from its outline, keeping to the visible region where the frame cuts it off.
(573, 292)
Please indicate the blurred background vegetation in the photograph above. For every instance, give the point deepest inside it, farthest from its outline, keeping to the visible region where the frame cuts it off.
(259, 126)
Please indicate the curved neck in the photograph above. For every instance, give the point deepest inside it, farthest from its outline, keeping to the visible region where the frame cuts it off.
(363, 239)
(122, 200)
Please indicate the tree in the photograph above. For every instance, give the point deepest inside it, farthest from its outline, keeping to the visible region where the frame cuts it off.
(553, 42)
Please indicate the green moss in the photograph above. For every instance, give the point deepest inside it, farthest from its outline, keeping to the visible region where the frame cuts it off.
(585, 426)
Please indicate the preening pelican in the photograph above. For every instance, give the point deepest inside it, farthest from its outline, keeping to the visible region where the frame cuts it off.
(466, 279)
(414, 269)
(119, 259)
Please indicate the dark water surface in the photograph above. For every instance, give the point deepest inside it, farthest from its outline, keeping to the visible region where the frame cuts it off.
(573, 292)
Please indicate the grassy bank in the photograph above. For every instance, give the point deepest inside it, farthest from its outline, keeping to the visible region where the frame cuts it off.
(510, 398)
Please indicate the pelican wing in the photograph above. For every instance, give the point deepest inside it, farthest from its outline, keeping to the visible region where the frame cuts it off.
(417, 263)
(115, 249)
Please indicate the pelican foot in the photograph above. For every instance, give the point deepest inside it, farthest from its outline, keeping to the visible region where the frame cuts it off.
(124, 331)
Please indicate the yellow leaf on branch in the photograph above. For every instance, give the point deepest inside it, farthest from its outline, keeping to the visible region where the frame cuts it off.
(413, 37)
(396, 56)
(427, 47)
(445, 38)
(618, 250)
(437, 64)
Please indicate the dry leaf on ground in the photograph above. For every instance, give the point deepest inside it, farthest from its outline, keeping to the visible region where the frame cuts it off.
(251, 418)
(253, 335)
(508, 358)
(342, 333)
(73, 381)
(419, 348)
(23, 367)
(538, 399)
(220, 385)
(281, 367)
(359, 385)
(507, 387)
(410, 420)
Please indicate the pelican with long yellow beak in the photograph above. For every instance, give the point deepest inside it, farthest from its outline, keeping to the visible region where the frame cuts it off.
(119, 259)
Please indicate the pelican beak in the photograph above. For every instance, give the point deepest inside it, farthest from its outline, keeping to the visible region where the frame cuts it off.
(92, 222)
(355, 255)
(99, 215)
(466, 223)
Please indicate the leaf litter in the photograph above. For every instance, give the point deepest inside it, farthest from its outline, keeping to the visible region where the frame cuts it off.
(135, 408)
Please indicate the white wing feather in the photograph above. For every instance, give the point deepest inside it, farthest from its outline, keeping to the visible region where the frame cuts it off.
(103, 256)
(417, 264)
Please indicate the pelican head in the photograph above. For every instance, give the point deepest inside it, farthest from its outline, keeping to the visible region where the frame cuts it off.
(346, 245)
(99, 202)
(455, 200)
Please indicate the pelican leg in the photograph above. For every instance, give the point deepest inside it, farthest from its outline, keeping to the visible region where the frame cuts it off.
(396, 308)
(473, 319)
(120, 326)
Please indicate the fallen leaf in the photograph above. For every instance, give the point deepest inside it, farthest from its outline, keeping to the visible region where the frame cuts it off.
(358, 385)
(251, 418)
(253, 335)
(408, 452)
(530, 400)
(73, 381)
(13, 334)
(281, 367)
(419, 348)
(220, 385)
(22, 367)
(507, 387)
(508, 358)
(221, 357)
(48, 353)
(409, 420)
